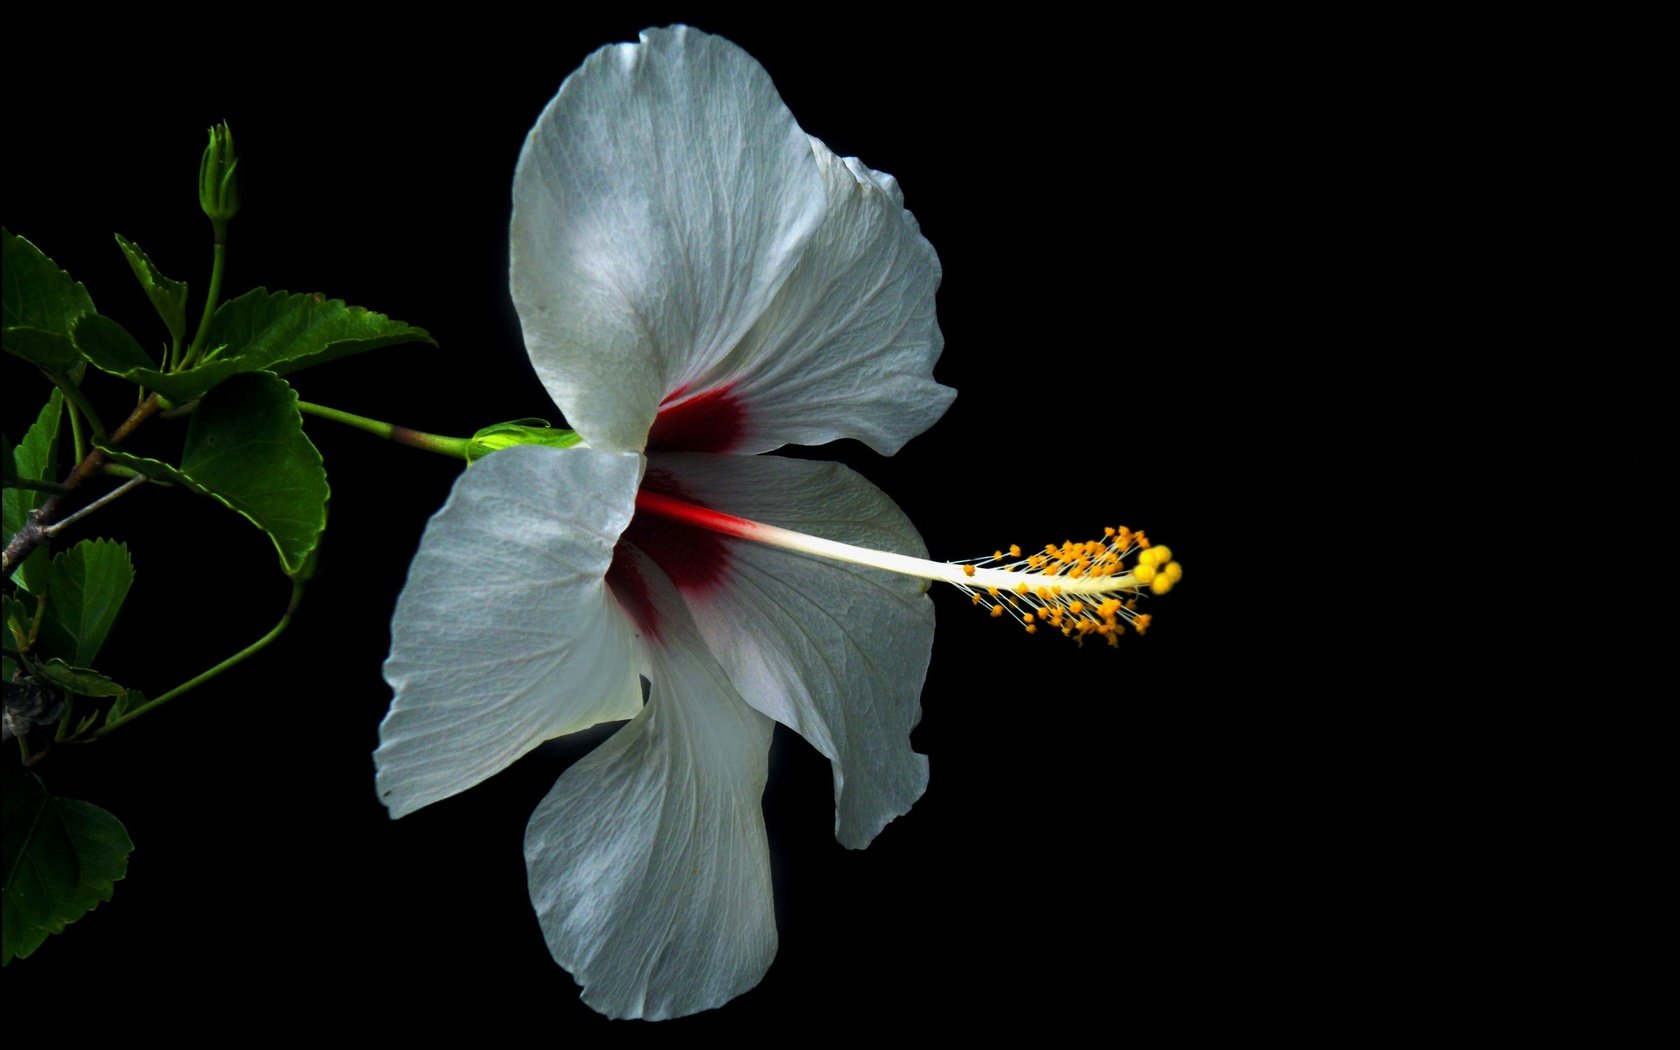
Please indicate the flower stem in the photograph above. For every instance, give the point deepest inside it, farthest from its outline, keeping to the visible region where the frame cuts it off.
(217, 264)
(192, 683)
(455, 448)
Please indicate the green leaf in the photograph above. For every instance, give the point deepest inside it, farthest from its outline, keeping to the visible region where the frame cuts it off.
(61, 858)
(278, 332)
(131, 700)
(8, 668)
(108, 345)
(79, 680)
(36, 456)
(167, 296)
(39, 304)
(247, 450)
(17, 616)
(84, 592)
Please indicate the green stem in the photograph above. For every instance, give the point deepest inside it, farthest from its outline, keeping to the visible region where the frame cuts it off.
(74, 395)
(444, 446)
(36, 485)
(216, 267)
(192, 683)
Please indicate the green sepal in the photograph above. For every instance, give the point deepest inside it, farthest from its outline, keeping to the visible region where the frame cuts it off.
(169, 297)
(246, 449)
(36, 456)
(61, 858)
(39, 305)
(532, 431)
(279, 332)
(218, 185)
(85, 591)
(79, 680)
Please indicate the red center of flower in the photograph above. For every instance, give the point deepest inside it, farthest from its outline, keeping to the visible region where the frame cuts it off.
(711, 421)
(694, 558)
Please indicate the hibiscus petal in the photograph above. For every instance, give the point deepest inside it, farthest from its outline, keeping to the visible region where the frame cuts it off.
(662, 198)
(648, 865)
(505, 635)
(836, 652)
(848, 346)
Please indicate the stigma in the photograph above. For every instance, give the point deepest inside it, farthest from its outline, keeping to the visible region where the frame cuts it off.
(1082, 590)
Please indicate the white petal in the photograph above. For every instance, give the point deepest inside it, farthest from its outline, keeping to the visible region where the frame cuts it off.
(648, 864)
(848, 346)
(660, 201)
(505, 635)
(836, 652)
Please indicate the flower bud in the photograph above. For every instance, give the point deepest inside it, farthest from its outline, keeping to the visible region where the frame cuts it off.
(218, 186)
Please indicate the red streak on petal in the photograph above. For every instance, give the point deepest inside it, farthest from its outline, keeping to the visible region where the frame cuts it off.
(631, 590)
(712, 421)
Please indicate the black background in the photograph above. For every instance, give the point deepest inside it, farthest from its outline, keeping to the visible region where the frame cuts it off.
(1100, 839)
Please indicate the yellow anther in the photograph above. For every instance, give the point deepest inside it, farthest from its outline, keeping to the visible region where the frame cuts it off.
(1091, 588)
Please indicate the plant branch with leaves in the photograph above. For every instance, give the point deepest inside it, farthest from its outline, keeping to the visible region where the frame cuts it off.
(244, 448)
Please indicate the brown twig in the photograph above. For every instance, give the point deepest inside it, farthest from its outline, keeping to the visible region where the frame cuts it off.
(34, 530)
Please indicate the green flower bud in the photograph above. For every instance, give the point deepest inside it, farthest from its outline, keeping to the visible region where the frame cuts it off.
(218, 186)
(519, 432)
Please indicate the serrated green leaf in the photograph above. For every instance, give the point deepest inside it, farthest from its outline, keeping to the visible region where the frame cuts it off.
(61, 859)
(85, 590)
(247, 450)
(278, 332)
(168, 296)
(79, 680)
(108, 345)
(39, 304)
(36, 456)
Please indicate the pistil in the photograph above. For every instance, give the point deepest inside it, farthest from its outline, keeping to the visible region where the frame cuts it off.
(1078, 589)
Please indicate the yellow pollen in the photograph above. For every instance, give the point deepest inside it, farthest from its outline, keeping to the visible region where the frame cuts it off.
(1100, 593)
